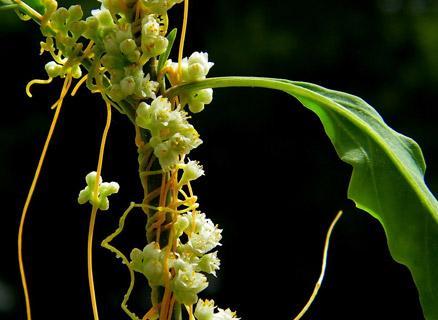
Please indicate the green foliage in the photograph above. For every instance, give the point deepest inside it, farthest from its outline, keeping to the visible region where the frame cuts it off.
(387, 179)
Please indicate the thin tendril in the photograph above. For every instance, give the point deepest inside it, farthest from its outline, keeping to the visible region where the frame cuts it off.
(30, 194)
(94, 212)
(324, 264)
(118, 253)
(32, 12)
(78, 85)
(183, 37)
(36, 81)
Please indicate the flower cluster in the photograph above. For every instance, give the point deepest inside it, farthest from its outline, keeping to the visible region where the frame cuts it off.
(127, 63)
(63, 28)
(189, 262)
(171, 134)
(122, 58)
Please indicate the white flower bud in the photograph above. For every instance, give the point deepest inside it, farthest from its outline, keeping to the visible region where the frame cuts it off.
(225, 315)
(204, 309)
(53, 69)
(198, 66)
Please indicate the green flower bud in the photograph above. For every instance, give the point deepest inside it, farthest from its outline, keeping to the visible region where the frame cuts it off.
(115, 92)
(127, 85)
(112, 62)
(77, 28)
(198, 99)
(103, 192)
(114, 6)
(159, 6)
(76, 71)
(59, 18)
(127, 46)
(104, 17)
(75, 13)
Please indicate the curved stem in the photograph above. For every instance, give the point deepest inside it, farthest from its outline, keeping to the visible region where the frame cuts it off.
(323, 267)
(183, 37)
(226, 82)
(9, 7)
(64, 91)
(31, 12)
(94, 212)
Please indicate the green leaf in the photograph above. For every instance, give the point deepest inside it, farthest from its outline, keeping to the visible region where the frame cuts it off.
(387, 179)
(163, 58)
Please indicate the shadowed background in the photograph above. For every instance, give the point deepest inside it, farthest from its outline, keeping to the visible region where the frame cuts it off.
(273, 180)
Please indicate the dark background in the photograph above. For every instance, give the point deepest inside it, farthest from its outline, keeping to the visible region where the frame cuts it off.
(273, 181)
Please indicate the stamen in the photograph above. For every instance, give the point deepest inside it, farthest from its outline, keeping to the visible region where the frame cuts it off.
(324, 263)
(36, 81)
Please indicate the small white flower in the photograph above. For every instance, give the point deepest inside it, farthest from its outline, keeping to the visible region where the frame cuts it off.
(204, 309)
(209, 263)
(205, 236)
(192, 170)
(150, 87)
(187, 284)
(225, 315)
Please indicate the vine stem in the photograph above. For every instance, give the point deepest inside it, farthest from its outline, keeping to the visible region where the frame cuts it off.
(183, 37)
(31, 191)
(323, 267)
(94, 213)
(29, 10)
